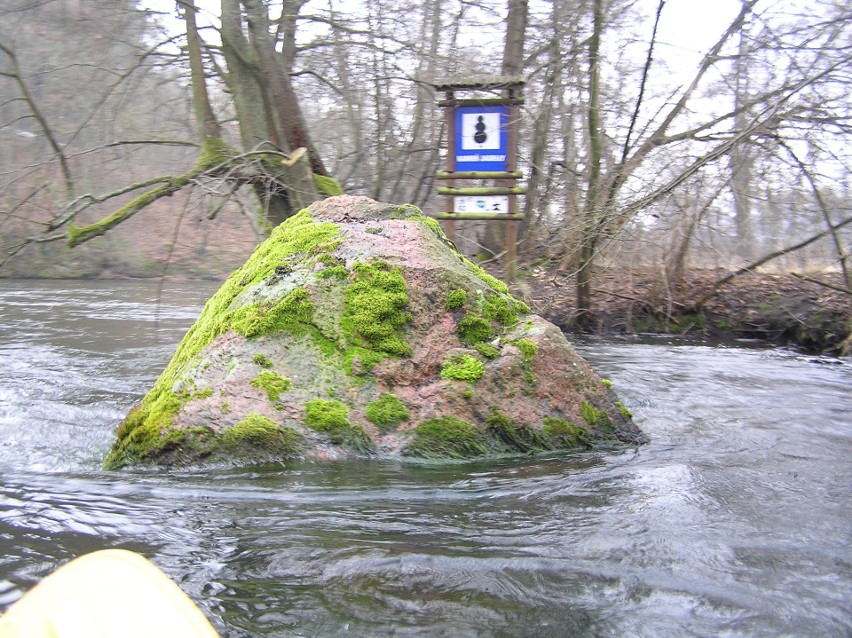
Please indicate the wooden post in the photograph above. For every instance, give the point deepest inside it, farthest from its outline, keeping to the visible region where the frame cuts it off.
(450, 225)
(511, 166)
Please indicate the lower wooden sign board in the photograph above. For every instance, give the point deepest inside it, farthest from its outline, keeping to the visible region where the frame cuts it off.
(505, 217)
(481, 204)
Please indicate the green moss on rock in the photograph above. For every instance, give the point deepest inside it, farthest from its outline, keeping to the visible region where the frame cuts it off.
(273, 383)
(447, 438)
(292, 314)
(260, 432)
(331, 417)
(328, 416)
(492, 315)
(474, 329)
(514, 437)
(145, 430)
(374, 309)
(387, 412)
(410, 211)
(359, 361)
(430, 223)
(500, 309)
(487, 350)
(297, 237)
(594, 417)
(456, 299)
(463, 367)
(355, 325)
(492, 282)
(337, 271)
(203, 394)
(528, 348)
(435, 227)
(562, 434)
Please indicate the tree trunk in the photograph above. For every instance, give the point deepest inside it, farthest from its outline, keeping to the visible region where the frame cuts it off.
(288, 130)
(516, 26)
(242, 78)
(289, 121)
(591, 209)
(205, 120)
(675, 261)
(494, 235)
(355, 153)
(416, 162)
(741, 158)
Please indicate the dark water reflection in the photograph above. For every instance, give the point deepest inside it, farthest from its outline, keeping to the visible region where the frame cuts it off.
(734, 520)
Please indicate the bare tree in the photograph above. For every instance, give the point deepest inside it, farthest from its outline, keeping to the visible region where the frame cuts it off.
(664, 142)
(616, 153)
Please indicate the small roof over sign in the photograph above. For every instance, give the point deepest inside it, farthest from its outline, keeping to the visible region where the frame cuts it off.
(483, 83)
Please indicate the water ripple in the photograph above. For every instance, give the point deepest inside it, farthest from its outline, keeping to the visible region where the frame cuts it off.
(734, 520)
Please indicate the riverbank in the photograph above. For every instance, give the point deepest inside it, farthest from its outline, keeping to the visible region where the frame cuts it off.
(782, 309)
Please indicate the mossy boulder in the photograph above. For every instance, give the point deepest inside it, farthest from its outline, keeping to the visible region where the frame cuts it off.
(356, 329)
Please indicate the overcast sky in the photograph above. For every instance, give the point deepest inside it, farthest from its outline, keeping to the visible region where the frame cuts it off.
(687, 28)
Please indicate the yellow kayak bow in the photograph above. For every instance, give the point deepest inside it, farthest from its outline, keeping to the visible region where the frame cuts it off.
(107, 594)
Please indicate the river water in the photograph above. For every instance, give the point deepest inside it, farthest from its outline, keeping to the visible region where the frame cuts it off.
(735, 520)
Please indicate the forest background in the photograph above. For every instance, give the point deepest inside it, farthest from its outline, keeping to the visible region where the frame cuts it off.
(163, 141)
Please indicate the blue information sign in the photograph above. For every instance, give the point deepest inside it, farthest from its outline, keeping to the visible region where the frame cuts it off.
(481, 138)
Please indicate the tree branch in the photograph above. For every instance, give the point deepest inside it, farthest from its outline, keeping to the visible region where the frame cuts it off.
(658, 137)
(216, 161)
(822, 283)
(86, 201)
(624, 215)
(45, 127)
(626, 150)
(78, 235)
(838, 245)
(773, 255)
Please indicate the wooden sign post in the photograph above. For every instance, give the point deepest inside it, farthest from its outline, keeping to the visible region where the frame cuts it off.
(482, 136)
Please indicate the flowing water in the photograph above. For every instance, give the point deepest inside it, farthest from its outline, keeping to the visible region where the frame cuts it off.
(735, 520)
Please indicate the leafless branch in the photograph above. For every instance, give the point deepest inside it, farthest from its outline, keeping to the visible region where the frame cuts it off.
(767, 258)
(39, 116)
